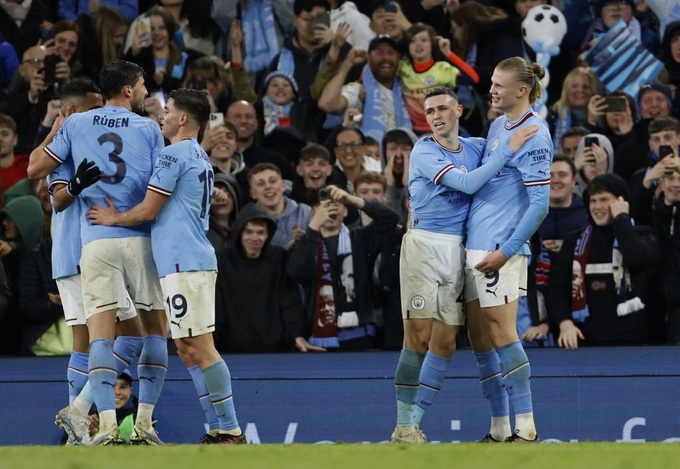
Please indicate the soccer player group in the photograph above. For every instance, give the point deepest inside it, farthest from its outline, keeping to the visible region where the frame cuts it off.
(110, 176)
(474, 205)
(130, 237)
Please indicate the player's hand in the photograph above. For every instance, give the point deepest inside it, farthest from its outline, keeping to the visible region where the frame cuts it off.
(520, 137)
(492, 262)
(619, 206)
(303, 346)
(105, 216)
(569, 335)
(53, 110)
(87, 174)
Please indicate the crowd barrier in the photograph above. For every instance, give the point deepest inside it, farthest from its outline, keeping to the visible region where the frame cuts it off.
(627, 394)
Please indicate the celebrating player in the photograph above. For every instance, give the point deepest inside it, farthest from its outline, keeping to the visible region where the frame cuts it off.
(504, 214)
(178, 199)
(432, 254)
(124, 146)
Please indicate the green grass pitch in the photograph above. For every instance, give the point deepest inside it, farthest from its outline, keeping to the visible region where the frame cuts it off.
(351, 456)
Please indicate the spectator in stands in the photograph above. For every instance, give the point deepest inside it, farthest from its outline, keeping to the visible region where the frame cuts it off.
(396, 148)
(22, 219)
(21, 21)
(105, 31)
(665, 217)
(258, 306)
(346, 12)
(350, 155)
(670, 54)
(571, 109)
(324, 261)
(66, 42)
(594, 156)
(267, 189)
(244, 117)
(420, 71)
(223, 210)
(12, 166)
(654, 100)
(226, 157)
(126, 408)
(164, 63)
(386, 22)
(566, 214)
(598, 284)
(617, 126)
(378, 94)
(570, 140)
(313, 168)
(644, 183)
(194, 26)
(73, 9)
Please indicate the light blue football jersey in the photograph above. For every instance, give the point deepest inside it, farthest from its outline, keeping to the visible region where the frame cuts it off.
(66, 244)
(500, 205)
(178, 237)
(125, 146)
(434, 206)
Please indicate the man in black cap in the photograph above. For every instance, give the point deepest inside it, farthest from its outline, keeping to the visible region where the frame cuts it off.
(378, 93)
(599, 283)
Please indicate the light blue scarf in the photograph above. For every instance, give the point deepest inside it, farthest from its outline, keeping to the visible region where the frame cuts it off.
(374, 122)
(261, 42)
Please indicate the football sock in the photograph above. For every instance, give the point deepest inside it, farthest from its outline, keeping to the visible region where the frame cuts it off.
(204, 398)
(431, 378)
(102, 378)
(218, 382)
(493, 390)
(125, 349)
(152, 368)
(76, 374)
(406, 383)
(516, 375)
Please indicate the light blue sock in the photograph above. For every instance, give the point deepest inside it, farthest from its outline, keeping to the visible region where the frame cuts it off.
(102, 374)
(152, 368)
(492, 383)
(431, 378)
(218, 382)
(406, 383)
(125, 349)
(204, 397)
(76, 374)
(516, 374)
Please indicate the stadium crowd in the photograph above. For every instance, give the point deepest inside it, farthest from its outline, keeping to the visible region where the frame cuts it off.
(306, 94)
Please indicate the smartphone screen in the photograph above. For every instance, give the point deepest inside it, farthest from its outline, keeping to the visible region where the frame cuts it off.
(616, 103)
(590, 141)
(664, 151)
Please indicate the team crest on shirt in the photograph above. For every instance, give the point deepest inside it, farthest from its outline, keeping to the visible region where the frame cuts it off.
(463, 168)
(417, 302)
(494, 145)
(430, 81)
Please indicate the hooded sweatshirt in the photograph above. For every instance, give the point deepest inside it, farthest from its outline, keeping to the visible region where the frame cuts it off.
(258, 306)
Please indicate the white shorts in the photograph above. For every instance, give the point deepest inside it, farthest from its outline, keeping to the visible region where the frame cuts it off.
(190, 302)
(71, 293)
(497, 288)
(111, 268)
(432, 276)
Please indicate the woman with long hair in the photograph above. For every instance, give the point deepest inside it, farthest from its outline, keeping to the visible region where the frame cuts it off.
(108, 27)
(571, 109)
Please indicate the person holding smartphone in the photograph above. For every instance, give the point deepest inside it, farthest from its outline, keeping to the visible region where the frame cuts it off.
(664, 140)
(594, 156)
(612, 115)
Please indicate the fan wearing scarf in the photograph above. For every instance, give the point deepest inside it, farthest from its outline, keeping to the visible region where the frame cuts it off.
(334, 266)
(599, 283)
